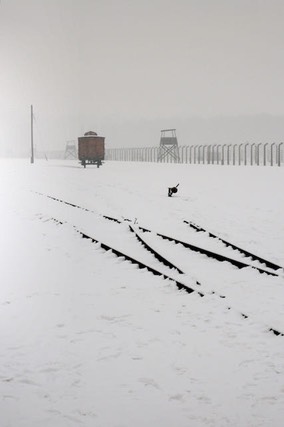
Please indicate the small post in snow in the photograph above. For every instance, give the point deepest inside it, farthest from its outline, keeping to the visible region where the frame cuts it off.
(172, 190)
(32, 135)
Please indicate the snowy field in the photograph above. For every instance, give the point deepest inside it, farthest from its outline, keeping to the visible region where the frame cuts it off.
(88, 339)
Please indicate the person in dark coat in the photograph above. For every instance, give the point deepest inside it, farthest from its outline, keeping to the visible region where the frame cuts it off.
(172, 190)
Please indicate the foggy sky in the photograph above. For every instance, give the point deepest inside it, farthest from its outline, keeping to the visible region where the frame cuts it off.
(128, 68)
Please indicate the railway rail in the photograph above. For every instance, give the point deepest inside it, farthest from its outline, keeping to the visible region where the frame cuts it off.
(214, 255)
(181, 284)
(246, 253)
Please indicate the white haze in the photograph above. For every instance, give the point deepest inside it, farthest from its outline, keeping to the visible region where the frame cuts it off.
(126, 69)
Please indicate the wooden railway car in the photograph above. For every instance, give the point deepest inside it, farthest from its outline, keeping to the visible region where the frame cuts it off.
(91, 149)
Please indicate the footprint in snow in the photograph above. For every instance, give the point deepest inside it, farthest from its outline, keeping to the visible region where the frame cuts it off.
(149, 382)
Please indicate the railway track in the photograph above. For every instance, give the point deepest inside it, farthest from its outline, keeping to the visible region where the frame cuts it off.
(214, 255)
(210, 254)
(244, 252)
(191, 287)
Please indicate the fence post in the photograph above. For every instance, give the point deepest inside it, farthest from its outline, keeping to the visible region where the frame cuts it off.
(190, 153)
(182, 153)
(271, 160)
(186, 154)
(194, 152)
(258, 153)
(156, 151)
(228, 153)
(198, 153)
(218, 152)
(240, 154)
(203, 153)
(234, 153)
(264, 153)
(251, 153)
(223, 153)
(208, 154)
(279, 153)
(213, 154)
(246, 145)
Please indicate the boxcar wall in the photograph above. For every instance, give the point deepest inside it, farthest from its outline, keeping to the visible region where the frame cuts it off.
(91, 150)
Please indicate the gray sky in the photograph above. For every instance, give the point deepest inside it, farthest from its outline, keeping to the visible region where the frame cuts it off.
(126, 68)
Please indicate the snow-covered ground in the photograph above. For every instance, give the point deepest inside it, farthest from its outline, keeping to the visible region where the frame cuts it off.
(89, 339)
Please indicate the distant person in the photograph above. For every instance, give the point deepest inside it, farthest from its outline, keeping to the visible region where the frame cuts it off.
(172, 190)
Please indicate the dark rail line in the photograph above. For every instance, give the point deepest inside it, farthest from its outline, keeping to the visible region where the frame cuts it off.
(169, 264)
(269, 264)
(210, 254)
(158, 256)
(152, 270)
(141, 265)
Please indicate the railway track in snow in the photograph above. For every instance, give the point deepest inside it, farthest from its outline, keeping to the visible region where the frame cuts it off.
(269, 268)
(175, 272)
(244, 252)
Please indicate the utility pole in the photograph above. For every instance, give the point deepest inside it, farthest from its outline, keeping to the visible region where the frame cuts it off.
(32, 135)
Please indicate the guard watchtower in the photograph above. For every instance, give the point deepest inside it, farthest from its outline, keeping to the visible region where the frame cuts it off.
(168, 146)
(70, 150)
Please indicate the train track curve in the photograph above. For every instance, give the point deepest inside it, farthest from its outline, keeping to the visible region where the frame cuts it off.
(180, 284)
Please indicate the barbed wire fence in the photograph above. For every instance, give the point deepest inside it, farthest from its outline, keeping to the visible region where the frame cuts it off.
(247, 154)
